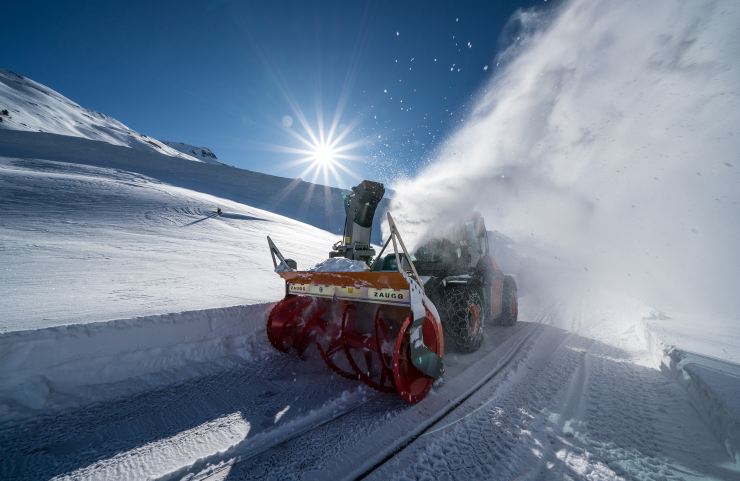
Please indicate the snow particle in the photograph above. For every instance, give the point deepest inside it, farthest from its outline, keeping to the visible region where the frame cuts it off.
(397, 34)
(485, 68)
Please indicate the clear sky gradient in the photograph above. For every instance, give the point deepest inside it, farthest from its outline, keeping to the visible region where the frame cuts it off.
(226, 74)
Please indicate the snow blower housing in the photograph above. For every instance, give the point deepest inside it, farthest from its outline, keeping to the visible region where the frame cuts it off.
(376, 323)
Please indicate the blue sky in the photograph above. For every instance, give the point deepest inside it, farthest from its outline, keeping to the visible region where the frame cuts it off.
(227, 74)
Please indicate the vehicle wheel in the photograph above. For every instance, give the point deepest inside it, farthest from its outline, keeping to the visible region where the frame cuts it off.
(461, 310)
(510, 302)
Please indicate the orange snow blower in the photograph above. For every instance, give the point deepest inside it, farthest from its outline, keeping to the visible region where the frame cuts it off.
(368, 324)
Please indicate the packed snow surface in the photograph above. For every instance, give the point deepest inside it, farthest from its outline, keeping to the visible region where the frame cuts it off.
(340, 264)
(37, 108)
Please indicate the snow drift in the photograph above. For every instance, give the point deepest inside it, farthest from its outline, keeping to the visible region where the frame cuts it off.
(609, 138)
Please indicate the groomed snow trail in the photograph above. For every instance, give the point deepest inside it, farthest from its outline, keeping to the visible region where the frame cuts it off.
(586, 404)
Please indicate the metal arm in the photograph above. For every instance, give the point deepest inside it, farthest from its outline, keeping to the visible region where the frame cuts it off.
(381, 253)
(394, 234)
(274, 251)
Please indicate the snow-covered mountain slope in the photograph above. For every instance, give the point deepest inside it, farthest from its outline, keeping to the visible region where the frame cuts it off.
(37, 108)
(84, 243)
(316, 205)
(200, 153)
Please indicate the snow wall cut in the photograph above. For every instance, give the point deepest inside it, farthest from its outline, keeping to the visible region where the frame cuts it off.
(70, 366)
(710, 383)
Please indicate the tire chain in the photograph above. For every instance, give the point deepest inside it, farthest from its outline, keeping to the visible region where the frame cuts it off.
(454, 305)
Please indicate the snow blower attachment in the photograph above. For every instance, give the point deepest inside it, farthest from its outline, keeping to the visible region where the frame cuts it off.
(378, 327)
(360, 207)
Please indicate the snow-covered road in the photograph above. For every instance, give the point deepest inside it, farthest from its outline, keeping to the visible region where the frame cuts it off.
(579, 400)
(247, 409)
(586, 403)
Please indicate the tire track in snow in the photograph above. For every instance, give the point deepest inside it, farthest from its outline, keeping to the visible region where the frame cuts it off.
(495, 442)
(351, 447)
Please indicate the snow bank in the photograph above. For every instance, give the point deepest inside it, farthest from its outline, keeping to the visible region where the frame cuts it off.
(713, 385)
(340, 264)
(70, 366)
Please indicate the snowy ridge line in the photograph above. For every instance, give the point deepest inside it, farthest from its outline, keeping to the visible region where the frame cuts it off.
(34, 107)
(722, 418)
(57, 368)
(201, 153)
(444, 403)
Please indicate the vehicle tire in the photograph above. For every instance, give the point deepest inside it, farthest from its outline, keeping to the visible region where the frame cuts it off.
(461, 310)
(510, 303)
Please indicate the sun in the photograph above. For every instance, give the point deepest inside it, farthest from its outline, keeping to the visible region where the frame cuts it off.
(324, 150)
(324, 155)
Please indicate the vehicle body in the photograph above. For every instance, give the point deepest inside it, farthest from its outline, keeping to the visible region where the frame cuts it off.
(377, 322)
(463, 280)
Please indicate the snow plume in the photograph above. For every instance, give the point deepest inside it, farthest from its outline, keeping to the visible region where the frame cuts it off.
(608, 139)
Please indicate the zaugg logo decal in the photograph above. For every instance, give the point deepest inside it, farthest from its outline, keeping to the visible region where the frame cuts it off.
(388, 295)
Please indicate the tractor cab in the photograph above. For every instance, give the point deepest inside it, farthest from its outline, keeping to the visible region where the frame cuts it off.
(458, 249)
